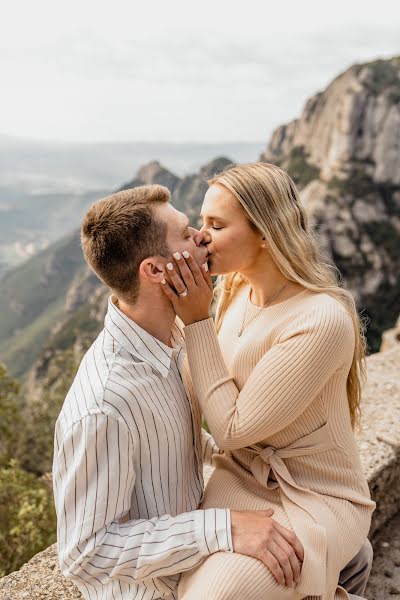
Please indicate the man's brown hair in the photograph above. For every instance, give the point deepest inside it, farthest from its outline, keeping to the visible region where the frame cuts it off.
(119, 232)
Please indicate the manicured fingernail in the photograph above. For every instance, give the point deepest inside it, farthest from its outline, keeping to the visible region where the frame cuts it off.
(170, 266)
(163, 281)
(205, 266)
(186, 254)
(177, 256)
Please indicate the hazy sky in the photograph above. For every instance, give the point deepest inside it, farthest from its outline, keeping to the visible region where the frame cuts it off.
(174, 70)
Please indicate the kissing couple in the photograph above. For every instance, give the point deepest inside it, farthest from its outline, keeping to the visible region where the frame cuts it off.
(276, 374)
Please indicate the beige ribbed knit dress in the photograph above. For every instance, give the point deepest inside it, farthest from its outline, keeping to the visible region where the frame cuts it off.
(275, 400)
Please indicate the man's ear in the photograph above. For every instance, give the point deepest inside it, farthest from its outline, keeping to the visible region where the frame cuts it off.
(153, 269)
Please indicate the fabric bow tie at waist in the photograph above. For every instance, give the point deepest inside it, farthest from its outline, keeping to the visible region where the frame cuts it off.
(318, 535)
(271, 458)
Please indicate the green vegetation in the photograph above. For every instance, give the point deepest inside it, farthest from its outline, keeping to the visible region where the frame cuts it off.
(81, 325)
(31, 301)
(299, 168)
(36, 448)
(357, 184)
(27, 514)
(384, 235)
(22, 349)
(385, 74)
(10, 416)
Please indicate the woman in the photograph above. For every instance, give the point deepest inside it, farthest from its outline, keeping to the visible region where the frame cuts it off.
(279, 385)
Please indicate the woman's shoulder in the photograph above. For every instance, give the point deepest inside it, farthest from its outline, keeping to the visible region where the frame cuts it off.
(321, 302)
(322, 311)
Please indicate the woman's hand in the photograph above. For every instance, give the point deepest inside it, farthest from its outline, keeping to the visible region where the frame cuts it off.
(193, 291)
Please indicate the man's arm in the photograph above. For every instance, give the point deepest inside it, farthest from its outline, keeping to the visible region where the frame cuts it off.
(94, 480)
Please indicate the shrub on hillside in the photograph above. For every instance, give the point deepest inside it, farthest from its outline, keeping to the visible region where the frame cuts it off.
(27, 516)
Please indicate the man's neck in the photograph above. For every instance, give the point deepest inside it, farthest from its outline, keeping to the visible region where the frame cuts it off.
(152, 313)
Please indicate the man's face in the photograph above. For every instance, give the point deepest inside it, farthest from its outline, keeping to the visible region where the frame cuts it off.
(180, 236)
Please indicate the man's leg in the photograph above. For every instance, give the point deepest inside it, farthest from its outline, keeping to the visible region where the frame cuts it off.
(354, 577)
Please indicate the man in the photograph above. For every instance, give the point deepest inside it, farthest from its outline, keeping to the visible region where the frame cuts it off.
(129, 448)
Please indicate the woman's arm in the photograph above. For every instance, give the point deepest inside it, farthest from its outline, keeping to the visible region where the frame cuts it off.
(282, 384)
(209, 447)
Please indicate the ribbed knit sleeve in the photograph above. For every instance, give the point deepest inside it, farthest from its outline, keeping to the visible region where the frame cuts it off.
(283, 383)
(209, 448)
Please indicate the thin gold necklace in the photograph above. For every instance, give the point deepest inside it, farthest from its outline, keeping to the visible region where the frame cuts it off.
(243, 326)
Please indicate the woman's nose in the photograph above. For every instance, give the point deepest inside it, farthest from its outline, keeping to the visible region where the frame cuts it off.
(206, 235)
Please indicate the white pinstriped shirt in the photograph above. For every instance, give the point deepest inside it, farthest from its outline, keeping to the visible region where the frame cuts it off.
(127, 468)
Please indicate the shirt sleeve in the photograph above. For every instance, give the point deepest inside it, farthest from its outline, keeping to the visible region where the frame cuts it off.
(209, 447)
(282, 384)
(94, 480)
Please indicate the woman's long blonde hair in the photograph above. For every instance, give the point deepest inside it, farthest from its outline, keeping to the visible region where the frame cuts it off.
(271, 202)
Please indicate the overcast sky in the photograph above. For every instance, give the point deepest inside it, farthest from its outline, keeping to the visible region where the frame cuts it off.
(176, 71)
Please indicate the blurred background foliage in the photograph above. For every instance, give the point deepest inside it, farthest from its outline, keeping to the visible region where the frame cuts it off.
(27, 514)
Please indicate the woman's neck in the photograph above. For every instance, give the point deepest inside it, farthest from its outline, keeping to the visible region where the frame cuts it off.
(265, 283)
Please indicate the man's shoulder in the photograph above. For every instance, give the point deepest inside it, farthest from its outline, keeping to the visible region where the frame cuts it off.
(86, 395)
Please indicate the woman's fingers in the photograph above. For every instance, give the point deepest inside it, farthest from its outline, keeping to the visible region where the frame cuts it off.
(187, 264)
(179, 280)
(168, 290)
(292, 539)
(207, 276)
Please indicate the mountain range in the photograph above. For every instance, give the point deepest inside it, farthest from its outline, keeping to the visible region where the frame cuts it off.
(343, 153)
(46, 187)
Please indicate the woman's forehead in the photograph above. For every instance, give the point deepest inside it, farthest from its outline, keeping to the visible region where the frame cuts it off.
(219, 202)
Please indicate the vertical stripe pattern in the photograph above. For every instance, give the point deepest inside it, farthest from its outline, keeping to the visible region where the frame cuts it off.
(127, 469)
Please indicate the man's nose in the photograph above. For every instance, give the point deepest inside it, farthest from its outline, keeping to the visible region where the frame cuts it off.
(197, 236)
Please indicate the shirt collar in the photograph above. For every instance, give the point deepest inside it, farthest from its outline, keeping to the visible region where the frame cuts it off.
(138, 342)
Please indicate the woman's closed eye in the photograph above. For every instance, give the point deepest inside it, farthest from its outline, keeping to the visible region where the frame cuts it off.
(217, 228)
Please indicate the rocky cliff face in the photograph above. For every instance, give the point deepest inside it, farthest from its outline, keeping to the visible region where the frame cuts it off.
(355, 120)
(344, 154)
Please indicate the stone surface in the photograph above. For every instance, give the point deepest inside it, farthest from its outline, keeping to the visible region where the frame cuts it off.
(384, 581)
(39, 579)
(379, 437)
(379, 444)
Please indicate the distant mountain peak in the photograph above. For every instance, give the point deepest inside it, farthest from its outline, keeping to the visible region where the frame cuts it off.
(355, 120)
(215, 166)
(148, 172)
(153, 173)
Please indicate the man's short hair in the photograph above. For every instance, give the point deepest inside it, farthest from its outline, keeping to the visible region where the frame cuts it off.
(119, 232)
